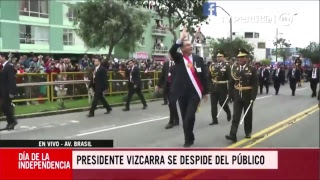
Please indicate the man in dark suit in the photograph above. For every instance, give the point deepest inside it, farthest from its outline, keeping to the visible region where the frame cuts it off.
(294, 76)
(313, 76)
(165, 81)
(99, 83)
(8, 89)
(264, 75)
(190, 83)
(134, 85)
(278, 76)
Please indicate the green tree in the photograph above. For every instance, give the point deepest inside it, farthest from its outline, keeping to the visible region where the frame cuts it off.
(231, 48)
(106, 23)
(266, 62)
(187, 13)
(312, 51)
(281, 45)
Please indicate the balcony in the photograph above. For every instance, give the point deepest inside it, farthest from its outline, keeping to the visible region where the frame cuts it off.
(159, 32)
(160, 51)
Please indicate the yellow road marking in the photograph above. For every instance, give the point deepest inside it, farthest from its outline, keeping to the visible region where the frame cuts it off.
(239, 143)
(298, 117)
(279, 130)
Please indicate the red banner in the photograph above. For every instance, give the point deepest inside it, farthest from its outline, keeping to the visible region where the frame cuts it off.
(46, 163)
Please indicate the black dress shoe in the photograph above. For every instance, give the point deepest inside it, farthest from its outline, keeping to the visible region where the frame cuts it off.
(231, 138)
(169, 126)
(108, 111)
(11, 126)
(229, 117)
(188, 144)
(248, 136)
(90, 115)
(126, 109)
(213, 123)
(144, 107)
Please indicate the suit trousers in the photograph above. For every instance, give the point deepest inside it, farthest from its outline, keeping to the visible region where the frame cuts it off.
(133, 90)
(98, 96)
(313, 86)
(188, 107)
(7, 109)
(276, 85)
(174, 117)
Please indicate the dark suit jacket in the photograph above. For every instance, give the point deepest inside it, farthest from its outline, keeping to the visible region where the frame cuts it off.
(162, 81)
(296, 77)
(281, 76)
(310, 75)
(99, 82)
(135, 73)
(182, 79)
(265, 76)
(8, 84)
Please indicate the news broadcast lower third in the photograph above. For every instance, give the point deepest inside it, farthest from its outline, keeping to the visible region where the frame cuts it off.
(98, 159)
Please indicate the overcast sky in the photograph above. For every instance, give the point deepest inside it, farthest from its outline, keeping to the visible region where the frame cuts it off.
(265, 16)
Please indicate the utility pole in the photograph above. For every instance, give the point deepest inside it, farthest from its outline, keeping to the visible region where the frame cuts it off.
(277, 45)
(230, 21)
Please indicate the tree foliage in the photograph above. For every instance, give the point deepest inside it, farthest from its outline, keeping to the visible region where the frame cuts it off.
(312, 51)
(231, 48)
(106, 23)
(281, 45)
(187, 13)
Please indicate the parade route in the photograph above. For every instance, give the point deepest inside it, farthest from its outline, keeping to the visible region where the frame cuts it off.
(145, 128)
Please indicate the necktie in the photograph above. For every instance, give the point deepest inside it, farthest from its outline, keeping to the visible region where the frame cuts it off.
(241, 68)
(131, 74)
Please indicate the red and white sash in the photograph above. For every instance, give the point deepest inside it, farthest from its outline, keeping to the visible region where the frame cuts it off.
(193, 75)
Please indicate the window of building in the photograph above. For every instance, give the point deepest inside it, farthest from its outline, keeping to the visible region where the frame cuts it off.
(34, 8)
(68, 37)
(256, 35)
(261, 45)
(34, 34)
(71, 14)
(248, 35)
(142, 41)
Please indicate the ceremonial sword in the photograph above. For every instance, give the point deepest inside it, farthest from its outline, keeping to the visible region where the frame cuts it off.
(246, 112)
(222, 106)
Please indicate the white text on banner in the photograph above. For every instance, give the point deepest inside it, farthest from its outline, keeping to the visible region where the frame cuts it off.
(175, 159)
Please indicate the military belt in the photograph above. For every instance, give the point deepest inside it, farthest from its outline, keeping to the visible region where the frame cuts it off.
(219, 82)
(243, 88)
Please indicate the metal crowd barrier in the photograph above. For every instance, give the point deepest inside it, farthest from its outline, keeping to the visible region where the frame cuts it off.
(43, 86)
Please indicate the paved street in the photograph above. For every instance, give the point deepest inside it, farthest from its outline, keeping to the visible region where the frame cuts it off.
(304, 133)
(145, 128)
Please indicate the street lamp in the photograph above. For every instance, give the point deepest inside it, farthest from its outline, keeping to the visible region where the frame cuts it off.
(230, 20)
(277, 31)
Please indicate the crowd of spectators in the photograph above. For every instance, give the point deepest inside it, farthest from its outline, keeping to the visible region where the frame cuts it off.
(46, 64)
(40, 65)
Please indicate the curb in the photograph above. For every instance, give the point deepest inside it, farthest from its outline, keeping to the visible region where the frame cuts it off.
(73, 110)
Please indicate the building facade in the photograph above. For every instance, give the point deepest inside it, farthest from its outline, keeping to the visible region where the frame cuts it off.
(258, 43)
(154, 43)
(46, 26)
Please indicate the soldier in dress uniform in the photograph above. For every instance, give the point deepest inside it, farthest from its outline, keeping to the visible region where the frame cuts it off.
(243, 87)
(219, 74)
